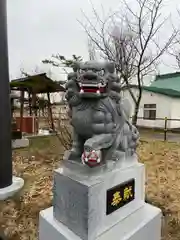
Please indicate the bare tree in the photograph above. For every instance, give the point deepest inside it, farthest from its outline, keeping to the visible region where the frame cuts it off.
(60, 61)
(177, 56)
(174, 51)
(129, 39)
(91, 50)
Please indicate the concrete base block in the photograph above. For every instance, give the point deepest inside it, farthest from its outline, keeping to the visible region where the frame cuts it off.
(80, 198)
(20, 143)
(145, 224)
(9, 191)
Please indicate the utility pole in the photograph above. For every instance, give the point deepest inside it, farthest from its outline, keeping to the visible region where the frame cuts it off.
(5, 109)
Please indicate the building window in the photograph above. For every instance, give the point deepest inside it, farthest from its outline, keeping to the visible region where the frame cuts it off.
(150, 111)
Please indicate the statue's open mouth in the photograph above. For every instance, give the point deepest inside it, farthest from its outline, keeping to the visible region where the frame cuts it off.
(89, 88)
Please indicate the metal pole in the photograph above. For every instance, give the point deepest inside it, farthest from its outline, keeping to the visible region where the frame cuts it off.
(165, 128)
(5, 107)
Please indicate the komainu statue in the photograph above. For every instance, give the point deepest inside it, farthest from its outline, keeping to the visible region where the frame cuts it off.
(100, 119)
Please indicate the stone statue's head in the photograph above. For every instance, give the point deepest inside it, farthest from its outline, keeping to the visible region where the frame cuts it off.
(92, 78)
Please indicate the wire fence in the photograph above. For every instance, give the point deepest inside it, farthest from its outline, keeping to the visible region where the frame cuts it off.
(158, 128)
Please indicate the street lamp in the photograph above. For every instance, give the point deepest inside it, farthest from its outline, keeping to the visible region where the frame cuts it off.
(8, 184)
(5, 112)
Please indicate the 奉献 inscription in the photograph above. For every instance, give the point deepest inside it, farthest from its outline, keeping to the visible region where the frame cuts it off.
(120, 195)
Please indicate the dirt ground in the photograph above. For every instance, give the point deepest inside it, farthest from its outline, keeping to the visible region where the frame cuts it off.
(19, 215)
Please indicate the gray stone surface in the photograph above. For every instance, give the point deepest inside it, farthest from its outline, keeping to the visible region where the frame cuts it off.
(80, 196)
(143, 224)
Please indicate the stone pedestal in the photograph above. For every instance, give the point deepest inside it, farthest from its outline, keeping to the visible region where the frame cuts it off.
(144, 224)
(101, 203)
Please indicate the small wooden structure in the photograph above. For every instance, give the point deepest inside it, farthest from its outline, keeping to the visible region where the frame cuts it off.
(33, 85)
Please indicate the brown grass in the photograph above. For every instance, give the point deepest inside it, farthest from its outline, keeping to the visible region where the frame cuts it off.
(163, 182)
(19, 215)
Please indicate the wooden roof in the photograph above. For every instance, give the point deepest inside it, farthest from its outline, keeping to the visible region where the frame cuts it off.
(38, 83)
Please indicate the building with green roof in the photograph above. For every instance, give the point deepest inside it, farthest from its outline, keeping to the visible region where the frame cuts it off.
(160, 100)
(167, 81)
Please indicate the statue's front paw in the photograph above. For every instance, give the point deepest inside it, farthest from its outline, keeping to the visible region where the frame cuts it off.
(91, 158)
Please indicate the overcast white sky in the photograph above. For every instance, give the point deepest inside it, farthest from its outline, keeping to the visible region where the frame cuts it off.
(39, 28)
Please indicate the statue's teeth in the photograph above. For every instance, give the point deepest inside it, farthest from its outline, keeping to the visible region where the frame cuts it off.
(81, 91)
